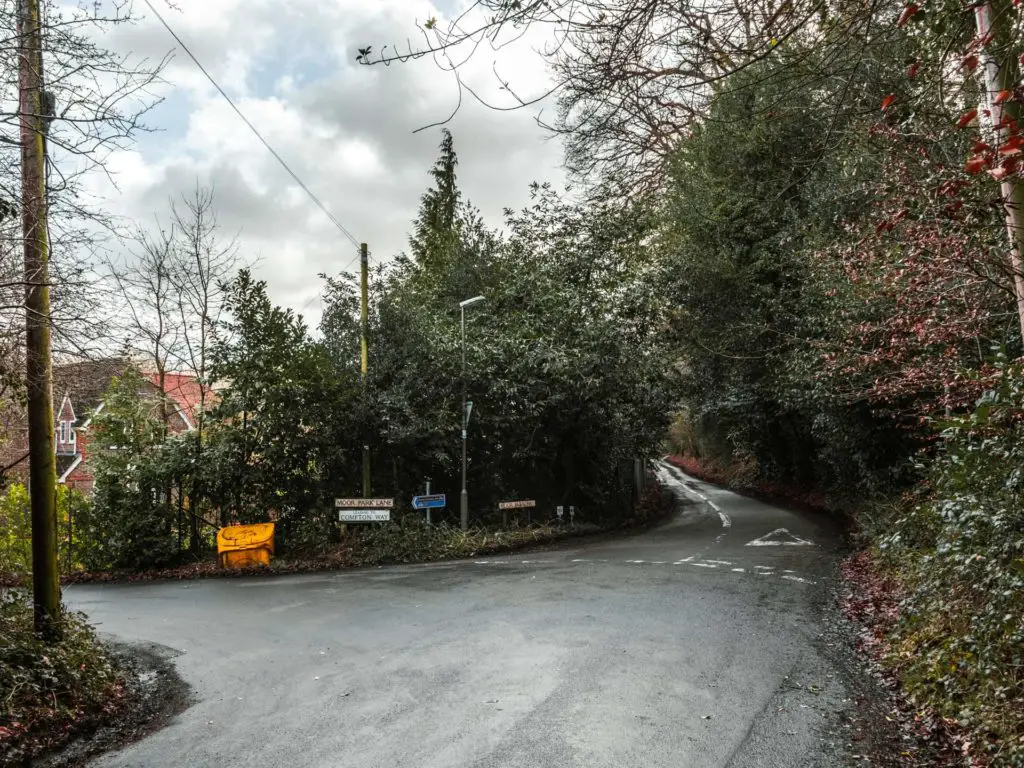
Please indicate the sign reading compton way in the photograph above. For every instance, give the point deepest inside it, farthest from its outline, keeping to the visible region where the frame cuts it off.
(364, 510)
(524, 504)
(364, 515)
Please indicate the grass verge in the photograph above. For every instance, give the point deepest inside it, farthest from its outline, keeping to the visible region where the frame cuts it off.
(407, 541)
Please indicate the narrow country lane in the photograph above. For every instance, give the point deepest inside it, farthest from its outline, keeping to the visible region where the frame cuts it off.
(695, 644)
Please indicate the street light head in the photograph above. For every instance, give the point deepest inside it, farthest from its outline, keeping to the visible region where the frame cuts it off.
(467, 302)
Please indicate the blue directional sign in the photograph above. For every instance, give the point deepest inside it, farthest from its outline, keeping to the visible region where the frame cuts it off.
(434, 501)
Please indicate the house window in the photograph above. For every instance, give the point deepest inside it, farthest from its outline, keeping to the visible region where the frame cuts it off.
(63, 432)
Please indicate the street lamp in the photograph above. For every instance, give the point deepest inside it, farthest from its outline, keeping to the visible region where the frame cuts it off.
(464, 496)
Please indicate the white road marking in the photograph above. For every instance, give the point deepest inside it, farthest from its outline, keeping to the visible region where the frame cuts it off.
(782, 538)
(289, 606)
(726, 521)
(760, 570)
(797, 578)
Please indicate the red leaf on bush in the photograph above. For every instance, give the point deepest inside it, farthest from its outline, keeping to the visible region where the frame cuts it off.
(966, 118)
(912, 72)
(969, 62)
(1004, 169)
(908, 14)
(980, 146)
(1012, 146)
(976, 164)
(1003, 95)
(887, 101)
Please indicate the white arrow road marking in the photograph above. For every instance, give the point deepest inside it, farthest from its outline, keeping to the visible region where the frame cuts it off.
(780, 537)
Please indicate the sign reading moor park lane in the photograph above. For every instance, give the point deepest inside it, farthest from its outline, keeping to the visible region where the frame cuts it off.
(364, 510)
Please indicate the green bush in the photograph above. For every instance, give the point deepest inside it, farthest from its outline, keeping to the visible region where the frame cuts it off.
(47, 689)
(960, 643)
(16, 527)
(411, 540)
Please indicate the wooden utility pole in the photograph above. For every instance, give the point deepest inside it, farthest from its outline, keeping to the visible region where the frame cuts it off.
(39, 372)
(364, 359)
(1000, 75)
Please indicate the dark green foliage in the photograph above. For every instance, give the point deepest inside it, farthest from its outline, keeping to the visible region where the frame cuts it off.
(568, 377)
(130, 525)
(47, 687)
(435, 231)
(960, 643)
(752, 304)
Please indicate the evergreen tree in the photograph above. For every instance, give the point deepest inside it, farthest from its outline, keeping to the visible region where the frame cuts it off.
(436, 229)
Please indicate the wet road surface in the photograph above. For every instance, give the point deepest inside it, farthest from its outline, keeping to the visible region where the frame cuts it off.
(694, 644)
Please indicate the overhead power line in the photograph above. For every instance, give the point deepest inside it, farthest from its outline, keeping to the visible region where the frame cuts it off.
(252, 128)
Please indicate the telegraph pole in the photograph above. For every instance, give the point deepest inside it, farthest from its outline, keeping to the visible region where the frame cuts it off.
(364, 360)
(39, 372)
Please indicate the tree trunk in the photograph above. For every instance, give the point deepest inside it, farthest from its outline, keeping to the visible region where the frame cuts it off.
(39, 382)
(1001, 73)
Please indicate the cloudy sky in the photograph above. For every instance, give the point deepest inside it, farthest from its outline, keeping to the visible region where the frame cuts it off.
(345, 129)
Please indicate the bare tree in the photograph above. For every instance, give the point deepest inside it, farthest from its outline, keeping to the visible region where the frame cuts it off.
(93, 103)
(630, 76)
(204, 264)
(152, 327)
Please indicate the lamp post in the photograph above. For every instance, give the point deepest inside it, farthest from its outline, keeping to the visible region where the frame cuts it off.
(464, 496)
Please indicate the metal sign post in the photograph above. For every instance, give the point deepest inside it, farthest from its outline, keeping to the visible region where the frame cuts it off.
(560, 510)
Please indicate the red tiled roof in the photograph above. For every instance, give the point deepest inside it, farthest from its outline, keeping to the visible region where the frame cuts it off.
(184, 390)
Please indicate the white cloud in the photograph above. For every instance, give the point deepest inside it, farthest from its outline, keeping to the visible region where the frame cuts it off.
(345, 129)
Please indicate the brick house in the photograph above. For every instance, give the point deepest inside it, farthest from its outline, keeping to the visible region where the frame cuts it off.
(78, 390)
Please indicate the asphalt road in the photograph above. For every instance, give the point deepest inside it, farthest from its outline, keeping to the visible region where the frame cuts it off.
(684, 646)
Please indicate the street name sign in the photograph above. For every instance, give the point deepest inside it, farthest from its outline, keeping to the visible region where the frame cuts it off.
(364, 515)
(524, 504)
(364, 503)
(433, 501)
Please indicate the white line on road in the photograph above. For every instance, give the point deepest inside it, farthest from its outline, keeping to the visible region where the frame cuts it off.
(704, 565)
(740, 570)
(797, 578)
